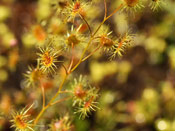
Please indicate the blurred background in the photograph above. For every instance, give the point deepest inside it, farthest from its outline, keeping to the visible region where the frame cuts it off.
(137, 91)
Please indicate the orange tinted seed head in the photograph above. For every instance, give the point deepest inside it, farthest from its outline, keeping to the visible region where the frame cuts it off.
(131, 3)
(79, 92)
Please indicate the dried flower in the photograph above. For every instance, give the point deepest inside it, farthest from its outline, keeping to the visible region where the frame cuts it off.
(33, 76)
(121, 45)
(132, 5)
(105, 38)
(74, 37)
(48, 58)
(84, 96)
(155, 4)
(87, 107)
(77, 7)
(63, 124)
(79, 90)
(21, 120)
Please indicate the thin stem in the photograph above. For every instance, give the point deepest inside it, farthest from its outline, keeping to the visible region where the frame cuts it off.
(48, 105)
(105, 19)
(58, 92)
(65, 68)
(53, 98)
(105, 9)
(43, 94)
(84, 51)
(72, 59)
(61, 100)
(92, 53)
(99, 27)
(117, 9)
(86, 23)
(39, 115)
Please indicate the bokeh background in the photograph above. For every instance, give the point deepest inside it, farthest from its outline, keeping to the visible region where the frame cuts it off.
(137, 91)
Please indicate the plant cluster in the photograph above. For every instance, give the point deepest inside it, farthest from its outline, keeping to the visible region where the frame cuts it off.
(68, 37)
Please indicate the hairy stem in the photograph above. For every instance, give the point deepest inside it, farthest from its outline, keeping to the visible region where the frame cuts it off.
(105, 5)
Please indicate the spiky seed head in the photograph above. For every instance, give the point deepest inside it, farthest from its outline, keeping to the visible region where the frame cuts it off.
(72, 39)
(106, 41)
(78, 9)
(131, 3)
(48, 59)
(75, 8)
(120, 45)
(87, 107)
(33, 76)
(63, 124)
(84, 96)
(79, 92)
(20, 120)
(156, 4)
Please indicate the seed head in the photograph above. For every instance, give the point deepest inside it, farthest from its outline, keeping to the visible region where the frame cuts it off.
(105, 38)
(121, 45)
(63, 124)
(20, 120)
(106, 41)
(75, 8)
(132, 5)
(79, 90)
(48, 58)
(33, 76)
(156, 4)
(74, 37)
(87, 107)
(84, 96)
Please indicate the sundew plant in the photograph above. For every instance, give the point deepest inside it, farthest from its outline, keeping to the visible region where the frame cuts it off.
(63, 37)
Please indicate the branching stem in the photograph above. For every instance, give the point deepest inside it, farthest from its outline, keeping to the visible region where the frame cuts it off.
(51, 102)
